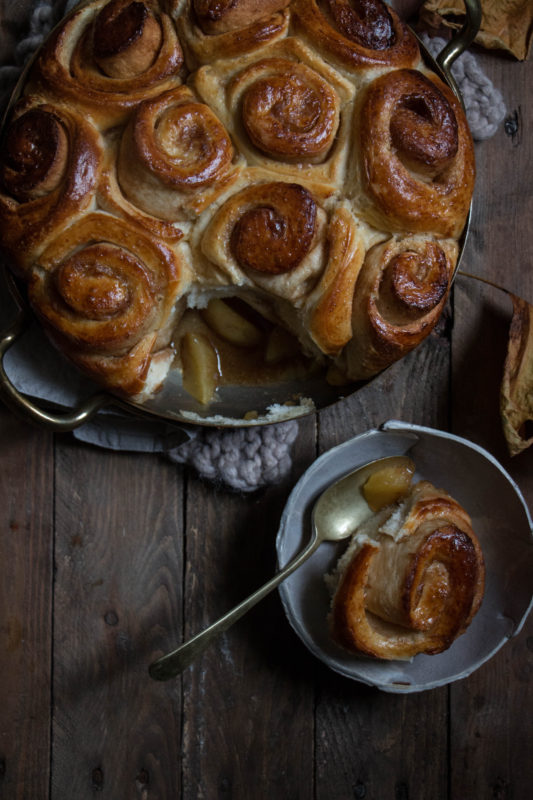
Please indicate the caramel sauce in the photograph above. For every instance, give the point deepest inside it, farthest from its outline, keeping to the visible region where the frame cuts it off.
(248, 366)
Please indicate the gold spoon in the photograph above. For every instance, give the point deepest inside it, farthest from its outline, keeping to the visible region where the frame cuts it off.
(339, 510)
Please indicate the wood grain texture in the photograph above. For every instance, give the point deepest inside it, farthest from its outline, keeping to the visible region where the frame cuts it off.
(26, 526)
(117, 596)
(490, 735)
(249, 699)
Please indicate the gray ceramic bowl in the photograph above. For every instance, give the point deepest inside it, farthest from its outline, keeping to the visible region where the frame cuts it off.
(501, 521)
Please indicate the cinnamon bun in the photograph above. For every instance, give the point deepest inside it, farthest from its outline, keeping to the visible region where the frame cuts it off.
(108, 295)
(411, 579)
(175, 157)
(108, 56)
(171, 160)
(212, 29)
(401, 290)
(288, 111)
(416, 155)
(270, 234)
(50, 164)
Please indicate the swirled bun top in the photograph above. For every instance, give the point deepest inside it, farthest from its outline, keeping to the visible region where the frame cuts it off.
(411, 579)
(295, 154)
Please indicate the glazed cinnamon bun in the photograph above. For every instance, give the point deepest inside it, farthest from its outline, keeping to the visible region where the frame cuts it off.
(399, 296)
(175, 156)
(172, 156)
(108, 56)
(416, 155)
(356, 35)
(49, 169)
(288, 111)
(411, 579)
(108, 295)
(270, 234)
(213, 29)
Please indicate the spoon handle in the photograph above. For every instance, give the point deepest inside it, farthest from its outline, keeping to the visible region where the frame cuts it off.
(175, 662)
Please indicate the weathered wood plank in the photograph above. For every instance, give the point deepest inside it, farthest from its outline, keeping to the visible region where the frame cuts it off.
(491, 736)
(117, 597)
(248, 701)
(26, 544)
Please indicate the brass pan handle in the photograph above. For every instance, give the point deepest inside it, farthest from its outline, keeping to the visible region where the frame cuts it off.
(23, 406)
(461, 41)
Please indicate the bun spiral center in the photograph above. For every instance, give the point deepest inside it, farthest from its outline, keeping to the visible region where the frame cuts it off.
(423, 127)
(126, 39)
(365, 22)
(274, 235)
(291, 115)
(35, 155)
(413, 284)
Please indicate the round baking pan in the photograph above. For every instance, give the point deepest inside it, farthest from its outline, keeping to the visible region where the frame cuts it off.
(235, 405)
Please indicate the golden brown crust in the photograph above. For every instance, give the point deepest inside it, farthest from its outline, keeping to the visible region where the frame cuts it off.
(221, 16)
(252, 33)
(125, 39)
(347, 33)
(49, 169)
(70, 68)
(401, 290)
(111, 198)
(414, 592)
(270, 235)
(330, 306)
(175, 156)
(274, 234)
(287, 110)
(290, 113)
(105, 290)
(417, 156)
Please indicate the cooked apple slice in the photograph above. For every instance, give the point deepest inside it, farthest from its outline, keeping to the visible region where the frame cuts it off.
(389, 484)
(200, 366)
(230, 325)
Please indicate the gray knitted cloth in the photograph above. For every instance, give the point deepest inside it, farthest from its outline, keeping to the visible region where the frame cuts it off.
(244, 459)
(484, 104)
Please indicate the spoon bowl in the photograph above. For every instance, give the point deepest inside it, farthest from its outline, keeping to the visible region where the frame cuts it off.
(342, 507)
(339, 510)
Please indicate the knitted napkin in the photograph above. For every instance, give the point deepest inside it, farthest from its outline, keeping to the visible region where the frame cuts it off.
(484, 105)
(242, 459)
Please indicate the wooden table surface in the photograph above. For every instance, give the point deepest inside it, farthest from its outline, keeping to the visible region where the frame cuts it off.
(107, 560)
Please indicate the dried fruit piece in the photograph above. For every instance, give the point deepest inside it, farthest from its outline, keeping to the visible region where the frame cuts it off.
(200, 366)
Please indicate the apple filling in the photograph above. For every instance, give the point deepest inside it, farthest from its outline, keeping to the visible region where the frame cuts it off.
(229, 342)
